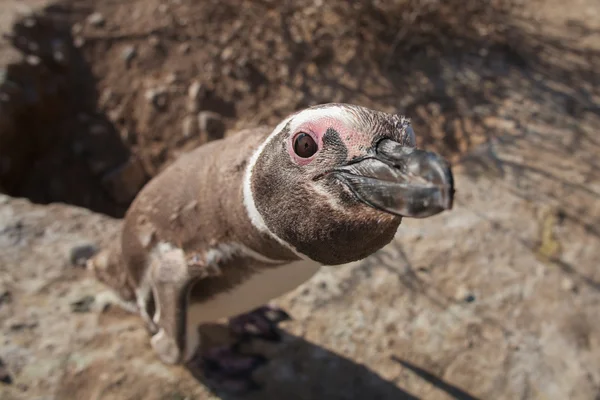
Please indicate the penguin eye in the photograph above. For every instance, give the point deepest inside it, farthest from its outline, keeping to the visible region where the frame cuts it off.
(304, 145)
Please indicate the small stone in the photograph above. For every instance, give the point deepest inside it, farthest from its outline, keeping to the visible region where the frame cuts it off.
(32, 60)
(154, 41)
(127, 136)
(79, 42)
(128, 53)
(96, 19)
(464, 294)
(33, 47)
(59, 57)
(157, 97)
(29, 22)
(226, 54)
(4, 374)
(5, 296)
(190, 126)
(171, 78)
(83, 305)
(568, 285)
(77, 28)
(19, 326)
(98, 130)
(185, 48)
(81, 253)
(211, 124)
(195, 94)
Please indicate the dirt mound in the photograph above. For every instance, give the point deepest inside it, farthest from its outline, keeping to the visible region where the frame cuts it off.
(137, 83)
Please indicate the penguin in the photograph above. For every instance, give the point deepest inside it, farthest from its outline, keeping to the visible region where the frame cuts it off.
(242, 220)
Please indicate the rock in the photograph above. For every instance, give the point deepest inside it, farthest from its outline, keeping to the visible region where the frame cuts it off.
(190, 126)
(464, 294)
(19, 326)
(154, 41)
(98, 129)
(32, 59)
(211, 125)
(128, 53)
(78, 42)
(227, 54)
(96, 19)
(5, 296)
(4, 374)
(83, 305)
(568, 285)
(185, 48)
(81, 253)
(76, 29)
(196, 93)
(125, 181)
(171, 78)
(157, 97)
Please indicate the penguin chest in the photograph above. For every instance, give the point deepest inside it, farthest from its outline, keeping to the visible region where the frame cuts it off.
(254, 292)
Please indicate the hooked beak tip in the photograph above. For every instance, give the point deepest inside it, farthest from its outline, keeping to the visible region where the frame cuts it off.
(403, 181)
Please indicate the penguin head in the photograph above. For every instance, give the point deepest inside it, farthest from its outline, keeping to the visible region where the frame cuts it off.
(334, 181)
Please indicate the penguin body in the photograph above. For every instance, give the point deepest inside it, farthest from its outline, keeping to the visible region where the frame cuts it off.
(239, 221)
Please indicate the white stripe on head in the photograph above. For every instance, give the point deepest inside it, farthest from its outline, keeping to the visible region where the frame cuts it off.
(333, 112)
(295, 121)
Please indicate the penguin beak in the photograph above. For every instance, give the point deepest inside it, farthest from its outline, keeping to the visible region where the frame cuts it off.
(400, 180)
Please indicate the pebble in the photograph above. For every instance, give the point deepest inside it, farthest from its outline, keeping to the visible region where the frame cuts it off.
(83, 305)
(29, 22)
(5, 297)
(195, 94)
(568, 285)
(32, 59)
(4, 374)
(185, 48)
(81, 253)
(171, 78)
(190, 126)
(154, 41)
(77, 28)
(98, 129)
(96, 19)
(226, 54)
(79, 42)
(464, 294)
(128, 53)
(157, 97)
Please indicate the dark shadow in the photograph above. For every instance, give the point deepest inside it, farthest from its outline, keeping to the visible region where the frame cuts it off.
(55, 145)
(298, 369)
(451, 390)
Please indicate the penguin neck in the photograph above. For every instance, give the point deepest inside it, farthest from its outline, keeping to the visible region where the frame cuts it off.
(244, 230)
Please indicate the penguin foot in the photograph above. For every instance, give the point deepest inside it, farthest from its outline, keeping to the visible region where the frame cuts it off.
(229, 370)
(259, 323)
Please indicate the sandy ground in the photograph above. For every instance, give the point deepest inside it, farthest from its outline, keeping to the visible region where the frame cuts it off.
(497, 299)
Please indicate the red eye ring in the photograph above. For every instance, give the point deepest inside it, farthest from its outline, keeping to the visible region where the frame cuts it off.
(304, 145)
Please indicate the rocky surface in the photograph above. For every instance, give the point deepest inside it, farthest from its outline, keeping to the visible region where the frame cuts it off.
(497, 299)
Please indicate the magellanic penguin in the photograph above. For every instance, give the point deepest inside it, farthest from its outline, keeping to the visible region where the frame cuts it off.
(242, 220)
